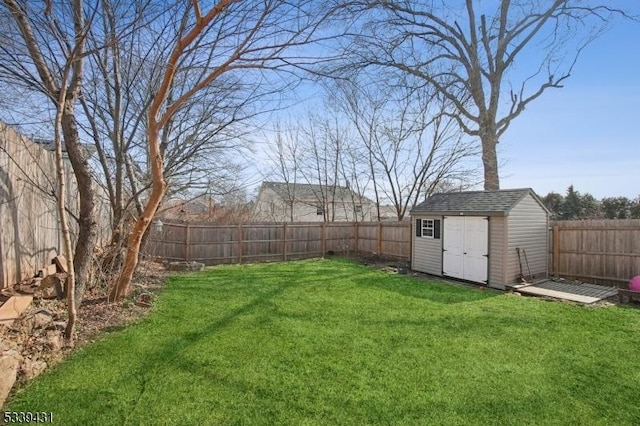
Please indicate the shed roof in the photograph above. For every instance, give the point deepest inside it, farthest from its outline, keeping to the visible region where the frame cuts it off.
(486, 203)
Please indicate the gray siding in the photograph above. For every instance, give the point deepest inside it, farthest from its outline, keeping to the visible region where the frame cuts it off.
(497, 251)
(527, 228)
(272, 207)
(426, 252)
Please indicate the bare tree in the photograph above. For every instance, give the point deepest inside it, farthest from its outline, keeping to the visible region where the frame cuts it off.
(131, 41)
(466, 50)
(70, 285)
(283, 156)
(319, 169)
(114, 100)
(230, 39)
(319, 163)
(411, 143)
(358, 182)
(46, 56)
(328, 163)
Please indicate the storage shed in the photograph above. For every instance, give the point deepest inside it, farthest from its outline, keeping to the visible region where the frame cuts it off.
(474, 235)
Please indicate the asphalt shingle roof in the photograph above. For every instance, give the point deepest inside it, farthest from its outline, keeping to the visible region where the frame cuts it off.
(305, 191)
(498, 202)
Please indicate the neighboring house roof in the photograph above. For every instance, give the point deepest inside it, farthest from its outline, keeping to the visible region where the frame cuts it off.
(489, 203)
(49, 145)
(311, 192)
(388, 212)
(176, 207)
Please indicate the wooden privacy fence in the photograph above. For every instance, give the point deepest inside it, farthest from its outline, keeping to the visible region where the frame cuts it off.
(598, 251)
(30, 234)
(217, 244)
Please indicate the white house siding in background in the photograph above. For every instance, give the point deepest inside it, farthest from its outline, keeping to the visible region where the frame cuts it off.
(282, 202)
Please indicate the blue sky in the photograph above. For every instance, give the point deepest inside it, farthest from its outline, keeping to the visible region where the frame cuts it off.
(587, 133)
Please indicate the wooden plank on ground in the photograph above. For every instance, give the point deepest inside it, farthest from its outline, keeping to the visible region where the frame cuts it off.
(61, 263)
(49, 270)
(13, 308)
(535, 291)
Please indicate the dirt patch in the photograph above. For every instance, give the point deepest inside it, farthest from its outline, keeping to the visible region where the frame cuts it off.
(38, 334)
(384, 263)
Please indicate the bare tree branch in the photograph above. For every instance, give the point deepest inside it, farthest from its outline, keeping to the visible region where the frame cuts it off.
(466, 56)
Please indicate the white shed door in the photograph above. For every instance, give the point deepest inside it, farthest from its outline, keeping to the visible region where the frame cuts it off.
(466, 243)
(453, 247)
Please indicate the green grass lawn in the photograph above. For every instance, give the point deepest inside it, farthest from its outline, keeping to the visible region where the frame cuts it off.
(333, 342)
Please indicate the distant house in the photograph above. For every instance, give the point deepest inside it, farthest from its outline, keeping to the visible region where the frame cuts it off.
(297, 202)
(186, 209)
(388, 213)
(204, 209)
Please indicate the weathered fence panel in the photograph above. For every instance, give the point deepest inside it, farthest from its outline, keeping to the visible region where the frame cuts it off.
(603, 251)
(29, 232)
(598, 251)
(367, 237)
(340, 237)
(395, 241)
(29, 228)
(303, 241)
(254, 242)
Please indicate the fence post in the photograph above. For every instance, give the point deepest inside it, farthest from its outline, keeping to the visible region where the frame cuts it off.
(187, 243)
(379, 245)
(556, 250)
(240, 243)
(284, 241)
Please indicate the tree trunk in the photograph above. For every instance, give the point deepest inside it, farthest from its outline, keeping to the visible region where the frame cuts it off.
(63, 216)
(490, 161)
(122, 288)
(87, 223)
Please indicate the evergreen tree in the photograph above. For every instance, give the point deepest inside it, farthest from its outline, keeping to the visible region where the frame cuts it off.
(617, 207)
(553, 201)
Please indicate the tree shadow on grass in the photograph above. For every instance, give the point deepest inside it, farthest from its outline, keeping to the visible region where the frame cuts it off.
(168, 351)
(168, 342)
(138, 368)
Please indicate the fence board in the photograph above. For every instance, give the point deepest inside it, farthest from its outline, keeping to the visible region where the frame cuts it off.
(29, 230)
(252, 242)
(599, 251)
(602, 251)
